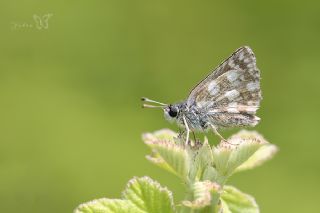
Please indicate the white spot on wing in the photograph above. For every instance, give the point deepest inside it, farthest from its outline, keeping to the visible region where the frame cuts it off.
(233, 105)
(214, 111)
(232, 94)
(203, 104)
(251, 109)
(247, 60)
(251, 70)
(231, 63)
(252, 86)
(251, 65)
(200, 104)
(232, 110)
(232, 75)
(213, 88)
(241, 56)
(236, 83)
(250, 103)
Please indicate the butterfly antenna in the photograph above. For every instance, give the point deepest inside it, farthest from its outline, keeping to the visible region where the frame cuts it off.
(152, 101)
(151, 106)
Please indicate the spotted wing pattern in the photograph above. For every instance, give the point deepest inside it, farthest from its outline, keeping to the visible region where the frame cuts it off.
(231, 94)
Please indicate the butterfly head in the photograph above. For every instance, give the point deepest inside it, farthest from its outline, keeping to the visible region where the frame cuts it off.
(171, 111)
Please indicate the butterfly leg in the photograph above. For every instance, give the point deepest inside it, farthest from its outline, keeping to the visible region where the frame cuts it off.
(181, 132)
(214, 129)
(194, 136)
(187, 129)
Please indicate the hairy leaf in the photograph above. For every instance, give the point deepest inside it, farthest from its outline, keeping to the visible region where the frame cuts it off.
(142, 195)
(238, 202)
(149, 196)
(105, 205)
(201, 160)
(167, 153)
(264, 154)
(203, 193)
(237, 150)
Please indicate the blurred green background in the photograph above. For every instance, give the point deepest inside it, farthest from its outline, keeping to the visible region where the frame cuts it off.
(70, 113)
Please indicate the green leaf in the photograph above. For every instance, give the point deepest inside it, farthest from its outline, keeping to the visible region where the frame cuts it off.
(163, 135)
(142, 195)
(149, 196)
(167, 152)
(238, 149)
(156, 159)
(201, 160)
(263, 154)
(221, 155)
(238, 202)
(203, 194)
(210, 173)
(224, 208)
(105, 205)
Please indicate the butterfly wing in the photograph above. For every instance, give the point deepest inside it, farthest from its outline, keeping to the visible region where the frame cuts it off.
(45, 20)
(232, 90)
(38, 21)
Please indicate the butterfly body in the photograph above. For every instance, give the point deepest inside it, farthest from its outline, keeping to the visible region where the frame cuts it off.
(195, 118)
(228, 97)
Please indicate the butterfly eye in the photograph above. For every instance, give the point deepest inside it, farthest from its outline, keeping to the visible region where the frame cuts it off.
(173, 112)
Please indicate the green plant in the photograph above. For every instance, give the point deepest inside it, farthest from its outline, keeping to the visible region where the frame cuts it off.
(203, 169)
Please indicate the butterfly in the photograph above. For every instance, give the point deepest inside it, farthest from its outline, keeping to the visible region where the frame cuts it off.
(42, 22)
(228, 97)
